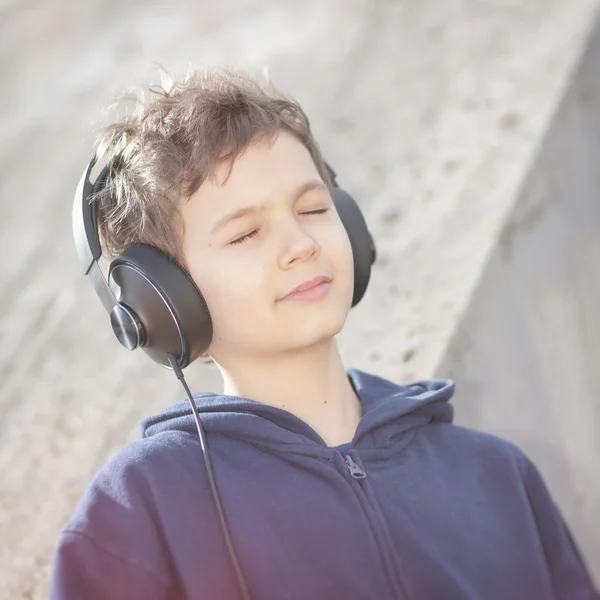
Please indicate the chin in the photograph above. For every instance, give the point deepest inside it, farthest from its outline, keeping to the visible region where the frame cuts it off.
(316, 328)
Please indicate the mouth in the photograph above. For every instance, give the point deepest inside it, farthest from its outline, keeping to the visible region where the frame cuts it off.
(312, 289)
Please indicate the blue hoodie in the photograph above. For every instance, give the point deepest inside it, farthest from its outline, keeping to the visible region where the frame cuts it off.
(444, 512)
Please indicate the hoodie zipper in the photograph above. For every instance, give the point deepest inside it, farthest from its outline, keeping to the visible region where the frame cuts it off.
(374, 521)
(354, 469)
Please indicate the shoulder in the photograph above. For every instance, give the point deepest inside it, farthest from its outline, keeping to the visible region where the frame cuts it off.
(118, 528)
(475, 447)
(130, 486)
(141, 458)
(116, 534)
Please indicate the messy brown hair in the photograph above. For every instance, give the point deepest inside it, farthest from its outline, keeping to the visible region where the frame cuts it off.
(162, 151)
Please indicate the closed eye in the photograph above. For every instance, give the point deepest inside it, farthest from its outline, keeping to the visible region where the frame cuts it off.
(319, 211)
(244, 238)
(248, 236)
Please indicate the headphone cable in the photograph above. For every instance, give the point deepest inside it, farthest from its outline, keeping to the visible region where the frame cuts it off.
(203, 443)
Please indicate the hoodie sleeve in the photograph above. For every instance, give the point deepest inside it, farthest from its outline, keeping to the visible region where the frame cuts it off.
(569, 575)
(113, 546)
(83, 569)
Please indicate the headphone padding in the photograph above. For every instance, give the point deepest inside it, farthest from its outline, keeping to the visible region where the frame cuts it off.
(363, 247)
(166, 301)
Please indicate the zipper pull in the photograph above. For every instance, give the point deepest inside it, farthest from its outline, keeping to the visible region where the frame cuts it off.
(354, 469)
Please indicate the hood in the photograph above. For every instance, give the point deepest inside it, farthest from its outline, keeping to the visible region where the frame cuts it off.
(388, 410)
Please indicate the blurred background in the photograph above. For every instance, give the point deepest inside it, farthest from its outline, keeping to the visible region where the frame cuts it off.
(469, 131)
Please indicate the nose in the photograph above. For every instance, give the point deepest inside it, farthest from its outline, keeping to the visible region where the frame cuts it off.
(298, 246)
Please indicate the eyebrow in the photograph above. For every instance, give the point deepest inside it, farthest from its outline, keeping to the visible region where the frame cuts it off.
(308, 186)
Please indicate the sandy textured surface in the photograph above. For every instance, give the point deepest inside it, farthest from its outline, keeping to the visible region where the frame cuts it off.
(429, 111)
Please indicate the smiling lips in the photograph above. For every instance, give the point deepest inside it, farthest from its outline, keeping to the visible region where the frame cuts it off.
(310, 290)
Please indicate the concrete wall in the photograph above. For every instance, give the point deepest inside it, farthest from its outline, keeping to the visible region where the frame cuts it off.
(526, 355)
(429, 111)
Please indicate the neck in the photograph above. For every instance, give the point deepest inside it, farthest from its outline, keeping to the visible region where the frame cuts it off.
(311, 384)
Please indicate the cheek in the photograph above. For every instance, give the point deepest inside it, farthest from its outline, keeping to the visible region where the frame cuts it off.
(232, 292)
(340, 251)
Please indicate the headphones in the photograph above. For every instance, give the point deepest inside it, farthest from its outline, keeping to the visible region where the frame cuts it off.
(160, 309)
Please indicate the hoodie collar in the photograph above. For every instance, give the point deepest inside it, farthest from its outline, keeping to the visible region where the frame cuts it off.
(388, 409)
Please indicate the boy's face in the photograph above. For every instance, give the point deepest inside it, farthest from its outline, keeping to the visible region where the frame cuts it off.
(246, 266)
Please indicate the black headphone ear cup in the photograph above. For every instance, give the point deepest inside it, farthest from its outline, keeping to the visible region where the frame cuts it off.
(363, 247)
(166, 302)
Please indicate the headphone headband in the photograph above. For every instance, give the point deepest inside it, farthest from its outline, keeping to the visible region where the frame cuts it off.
(87, 239)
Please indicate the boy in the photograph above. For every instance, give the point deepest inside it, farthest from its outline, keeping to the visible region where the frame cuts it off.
(335, 483)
